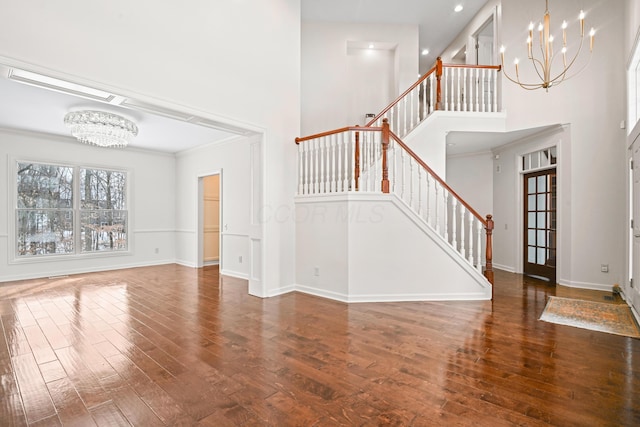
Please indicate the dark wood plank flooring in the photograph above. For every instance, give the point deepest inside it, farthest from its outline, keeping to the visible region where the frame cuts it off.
(171, 345)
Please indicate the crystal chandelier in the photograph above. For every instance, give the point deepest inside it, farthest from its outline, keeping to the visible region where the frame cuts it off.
(100, 128)
(543, 63)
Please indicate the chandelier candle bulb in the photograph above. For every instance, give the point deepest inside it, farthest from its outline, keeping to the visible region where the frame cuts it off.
(542, 62)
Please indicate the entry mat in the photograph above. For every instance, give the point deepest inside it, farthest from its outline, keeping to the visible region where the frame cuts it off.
(596, 316)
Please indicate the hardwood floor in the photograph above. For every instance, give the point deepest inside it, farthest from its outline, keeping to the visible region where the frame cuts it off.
(171, 345)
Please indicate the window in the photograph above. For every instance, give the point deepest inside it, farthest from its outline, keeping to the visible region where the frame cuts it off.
(63, 210)
(633, 88)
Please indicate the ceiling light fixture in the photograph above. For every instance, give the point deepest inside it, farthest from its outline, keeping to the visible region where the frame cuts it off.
(543, 64)
(425, 51)
(100, 128)
(458, 8)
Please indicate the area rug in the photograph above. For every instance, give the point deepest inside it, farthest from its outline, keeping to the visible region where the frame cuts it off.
(596, 316)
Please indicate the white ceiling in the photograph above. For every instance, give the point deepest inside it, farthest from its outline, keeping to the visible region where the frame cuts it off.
(36, 109)
(437, 22)
(27, 107)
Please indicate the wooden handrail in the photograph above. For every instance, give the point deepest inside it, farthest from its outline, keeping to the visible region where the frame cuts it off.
(437, 178)
(340, 130)
(398, 99)
(487, 67)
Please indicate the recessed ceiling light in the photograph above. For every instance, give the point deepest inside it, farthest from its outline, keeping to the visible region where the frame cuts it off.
(425, 51)
(458, 8)
(371, 46)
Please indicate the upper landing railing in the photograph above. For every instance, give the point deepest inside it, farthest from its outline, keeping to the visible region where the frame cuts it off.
(445, 87)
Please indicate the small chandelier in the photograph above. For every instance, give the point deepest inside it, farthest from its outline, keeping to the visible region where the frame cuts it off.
(100, 128)
(543, 64)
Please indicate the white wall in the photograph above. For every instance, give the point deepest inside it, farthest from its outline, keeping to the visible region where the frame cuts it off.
(327, 86)
(593, 105)
(373, 247)
(231, 61)
(231, 159)
(151, 212)
(471, 177)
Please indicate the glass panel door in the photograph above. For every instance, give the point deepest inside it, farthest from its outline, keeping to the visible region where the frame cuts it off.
(540, 224)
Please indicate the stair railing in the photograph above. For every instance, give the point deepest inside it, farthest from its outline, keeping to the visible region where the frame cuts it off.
(445, 87)
(374, 159)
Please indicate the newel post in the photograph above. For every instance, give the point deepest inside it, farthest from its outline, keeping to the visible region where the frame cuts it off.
(356, 170)
(385, 146)
(438, 86)
(488, 272)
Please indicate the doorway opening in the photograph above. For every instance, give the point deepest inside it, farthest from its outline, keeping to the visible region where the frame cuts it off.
(483, 42)
(540, 224)
(209, 220)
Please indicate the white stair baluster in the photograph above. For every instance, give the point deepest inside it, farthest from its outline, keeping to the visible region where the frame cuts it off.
(344, 141)
(334, 183)
(454, 220)
(411, 101)
(351, 162)
(459, 93)
(436, 207)
(477, 80)
(428, 213)
(479, 246)
(322, 141)
(425, 103)
(464, 90)
(484, 94)
(411, 182)
(471, 218)
(463, 243)
(495, 90)
(445, 213)
(312, 168)
(419, 191)
(402, 155)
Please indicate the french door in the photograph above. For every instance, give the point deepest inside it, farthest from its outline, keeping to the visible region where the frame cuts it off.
(540, 219)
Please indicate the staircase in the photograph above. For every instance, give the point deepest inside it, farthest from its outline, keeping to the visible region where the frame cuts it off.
(426, 237)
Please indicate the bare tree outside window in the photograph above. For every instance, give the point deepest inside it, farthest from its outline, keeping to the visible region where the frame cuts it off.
(44, 209)
(46, 212)
(103, 215)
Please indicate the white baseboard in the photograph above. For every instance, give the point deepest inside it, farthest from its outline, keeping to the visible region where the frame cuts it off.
(237, 274)
(506, 268)
(72, 271)
(389, 297)
(586, 285)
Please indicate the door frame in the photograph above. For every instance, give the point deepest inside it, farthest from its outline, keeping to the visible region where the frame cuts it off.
(524, 248)
(200, 225)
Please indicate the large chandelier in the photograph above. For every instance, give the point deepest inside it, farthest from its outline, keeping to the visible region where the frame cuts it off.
(543, 63)
(100, 128)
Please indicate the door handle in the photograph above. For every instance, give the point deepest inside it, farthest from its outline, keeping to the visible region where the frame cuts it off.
(636, 235)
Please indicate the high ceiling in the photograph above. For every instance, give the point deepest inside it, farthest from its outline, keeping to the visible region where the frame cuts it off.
(36, 109)
(438, 23)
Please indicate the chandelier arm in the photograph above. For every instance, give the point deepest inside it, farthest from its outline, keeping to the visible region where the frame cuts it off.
(536, 62)
(564, 77)
(563, 74)
(527, 86)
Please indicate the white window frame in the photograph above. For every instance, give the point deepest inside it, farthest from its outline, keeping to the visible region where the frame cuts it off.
(12, 248)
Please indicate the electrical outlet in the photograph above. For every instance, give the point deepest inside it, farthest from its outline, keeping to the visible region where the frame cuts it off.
(604, 268)
(316, 271)
(240, 259)
(157, 250)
